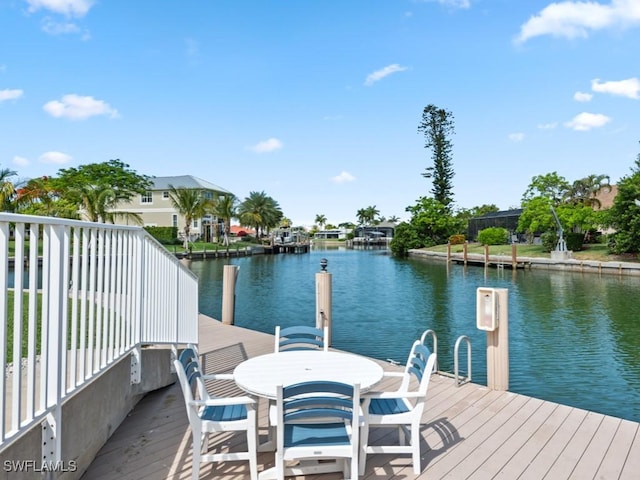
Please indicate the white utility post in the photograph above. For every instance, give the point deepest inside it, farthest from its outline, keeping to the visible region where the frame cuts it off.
(492, 315)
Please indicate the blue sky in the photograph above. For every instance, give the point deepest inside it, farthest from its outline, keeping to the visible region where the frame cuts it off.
(317, 103)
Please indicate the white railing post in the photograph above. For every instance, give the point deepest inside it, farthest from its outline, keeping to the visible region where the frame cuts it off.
(4, 282)
(18, 279)
(139, 280)
(57, 259)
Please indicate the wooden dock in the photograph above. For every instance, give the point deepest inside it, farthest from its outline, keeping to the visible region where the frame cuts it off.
(303, 247)
(469, 432)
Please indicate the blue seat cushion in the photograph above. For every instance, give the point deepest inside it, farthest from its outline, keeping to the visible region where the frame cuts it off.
(302, 434)
(387, 406)
(224, 413)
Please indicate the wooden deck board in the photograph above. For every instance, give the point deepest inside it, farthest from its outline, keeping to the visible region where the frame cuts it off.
(468, 432)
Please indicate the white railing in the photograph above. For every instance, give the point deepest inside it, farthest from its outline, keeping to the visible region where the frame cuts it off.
(91, 294)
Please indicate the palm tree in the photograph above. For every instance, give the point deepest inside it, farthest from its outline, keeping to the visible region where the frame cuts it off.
(225, 209)
(260, 211)
(7, 189)
(191, 204)
(371, 214)
(285, 222)
(321, 220)
(95, 200)
(585, 190)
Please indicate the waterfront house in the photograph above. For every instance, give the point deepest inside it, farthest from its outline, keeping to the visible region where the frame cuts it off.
(381, 230)
(332, 234)
(156, 209)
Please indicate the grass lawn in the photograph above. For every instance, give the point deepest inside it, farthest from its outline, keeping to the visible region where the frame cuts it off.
(597, 252)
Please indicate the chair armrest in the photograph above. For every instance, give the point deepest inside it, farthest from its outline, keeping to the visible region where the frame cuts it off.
(221, 402)
(393, 374)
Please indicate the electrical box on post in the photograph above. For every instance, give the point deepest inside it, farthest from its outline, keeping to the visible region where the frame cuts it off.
(487, 309)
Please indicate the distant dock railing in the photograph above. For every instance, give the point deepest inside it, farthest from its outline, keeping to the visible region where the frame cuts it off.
(91, 295)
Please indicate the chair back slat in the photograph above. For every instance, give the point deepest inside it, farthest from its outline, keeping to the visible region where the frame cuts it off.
(300, 337)
(301, 340)
(318, 413)
(187, 355)
(315, 387)
(306, 402)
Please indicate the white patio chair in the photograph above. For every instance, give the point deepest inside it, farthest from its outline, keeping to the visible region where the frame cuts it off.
(301, 337)
(318, 420)
(401, 408)
(208, 414)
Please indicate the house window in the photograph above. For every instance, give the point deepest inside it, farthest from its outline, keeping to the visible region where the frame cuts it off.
(195, 223)
(174, 220)
(146, 197)
(165, 195)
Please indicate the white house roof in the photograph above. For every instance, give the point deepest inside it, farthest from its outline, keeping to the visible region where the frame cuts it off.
(185, 181)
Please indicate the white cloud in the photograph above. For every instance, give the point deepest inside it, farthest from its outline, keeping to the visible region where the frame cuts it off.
(586, 121)
(76, 107)
(576, 19)
(21, 161)
(10, 94)
(343, 177)
(516, 137)
(59, 28)
(548, 126)
(625, 88)
(70, 8)
(383, 72)
(57, 158)
(582, 97)
(266, 146)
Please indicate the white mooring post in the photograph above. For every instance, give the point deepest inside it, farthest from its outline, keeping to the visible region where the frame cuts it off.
(492, 315)
(323, 299)
(229, 278)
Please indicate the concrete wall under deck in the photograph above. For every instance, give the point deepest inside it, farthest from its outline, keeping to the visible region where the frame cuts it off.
(90, 416)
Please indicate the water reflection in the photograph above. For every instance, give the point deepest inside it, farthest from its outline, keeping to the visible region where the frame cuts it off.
(574, 338)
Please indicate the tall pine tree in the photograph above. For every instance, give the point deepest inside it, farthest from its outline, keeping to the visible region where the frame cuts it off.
(437, 127)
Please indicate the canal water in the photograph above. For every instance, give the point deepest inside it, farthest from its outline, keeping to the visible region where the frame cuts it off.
(574, 338)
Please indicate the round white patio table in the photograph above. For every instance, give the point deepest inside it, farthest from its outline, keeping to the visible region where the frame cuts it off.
(261, 375)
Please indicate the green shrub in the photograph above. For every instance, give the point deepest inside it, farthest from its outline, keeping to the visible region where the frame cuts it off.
(457, 239)
(574, 241)
(404, 239)
(493, 236)
(165, 235)
(549, 241)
